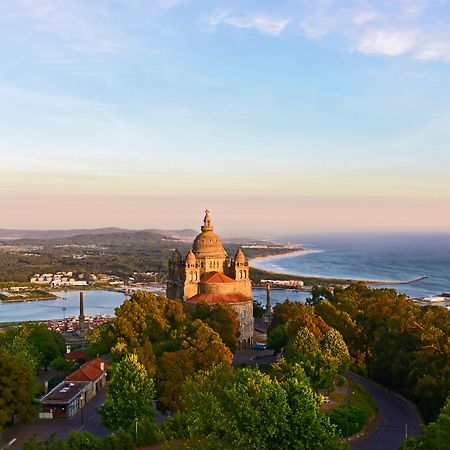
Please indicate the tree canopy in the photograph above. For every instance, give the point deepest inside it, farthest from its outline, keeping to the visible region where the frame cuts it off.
(244, 408)
(403, 345)
(221, 318)
(17, 383)
(434, 435)
(170, 340)
(129, 395)
(309, 341)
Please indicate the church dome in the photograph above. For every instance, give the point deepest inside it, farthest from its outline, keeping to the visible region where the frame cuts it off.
(207, 243)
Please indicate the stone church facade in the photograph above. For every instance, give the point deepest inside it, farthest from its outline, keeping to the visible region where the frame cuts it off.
(208, 274)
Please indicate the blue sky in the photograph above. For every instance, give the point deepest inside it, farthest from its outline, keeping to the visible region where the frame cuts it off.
(325, 115)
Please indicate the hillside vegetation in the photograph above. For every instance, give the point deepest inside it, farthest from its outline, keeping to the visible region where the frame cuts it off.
(118, 253)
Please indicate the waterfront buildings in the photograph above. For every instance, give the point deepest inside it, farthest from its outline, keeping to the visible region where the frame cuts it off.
(284, 283)
(58, 279)
(208, 274)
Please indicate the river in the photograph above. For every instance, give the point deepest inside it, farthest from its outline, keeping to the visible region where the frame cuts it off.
(100, 302)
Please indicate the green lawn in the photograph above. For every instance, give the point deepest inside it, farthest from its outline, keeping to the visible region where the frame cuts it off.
(356, 414)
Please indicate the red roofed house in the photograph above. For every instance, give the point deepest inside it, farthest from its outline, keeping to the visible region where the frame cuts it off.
(93, 372)
(77, 389)
(76, 355)
(208, 274)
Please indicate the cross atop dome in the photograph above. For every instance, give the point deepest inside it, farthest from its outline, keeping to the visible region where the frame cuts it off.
(207, 222)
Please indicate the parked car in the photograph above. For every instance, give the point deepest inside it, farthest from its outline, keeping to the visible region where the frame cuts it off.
(259, 346)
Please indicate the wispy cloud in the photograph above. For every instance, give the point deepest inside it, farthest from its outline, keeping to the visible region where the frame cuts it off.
(82, 27)
(395, 28)
(264, 23)
(389, 42)
(364, 16)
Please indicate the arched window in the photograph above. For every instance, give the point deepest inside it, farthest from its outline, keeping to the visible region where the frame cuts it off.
(240, 274)
(192, 276)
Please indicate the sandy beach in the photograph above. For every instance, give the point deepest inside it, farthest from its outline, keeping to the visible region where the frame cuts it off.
(278, 255)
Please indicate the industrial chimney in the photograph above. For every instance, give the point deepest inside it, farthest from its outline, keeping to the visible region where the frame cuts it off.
(81, 316)
(269, 311)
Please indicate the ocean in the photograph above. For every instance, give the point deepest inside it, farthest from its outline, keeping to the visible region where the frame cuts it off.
(372, 257)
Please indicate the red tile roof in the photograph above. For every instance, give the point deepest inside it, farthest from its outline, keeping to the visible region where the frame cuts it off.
(216, 277)
(219, 298)
(89, 371)
(76, 354)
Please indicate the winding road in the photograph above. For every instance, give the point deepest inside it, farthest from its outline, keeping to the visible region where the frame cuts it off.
(398, 419)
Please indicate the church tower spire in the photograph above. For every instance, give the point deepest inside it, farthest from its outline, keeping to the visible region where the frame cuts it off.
(207, 222)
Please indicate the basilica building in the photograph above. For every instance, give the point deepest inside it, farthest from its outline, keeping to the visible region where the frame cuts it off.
(208, 274)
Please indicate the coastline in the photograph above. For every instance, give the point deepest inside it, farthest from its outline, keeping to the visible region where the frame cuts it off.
(27, 300)
(278, 255)
(318, 278)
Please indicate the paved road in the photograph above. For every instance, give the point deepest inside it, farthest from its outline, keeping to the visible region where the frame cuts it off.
(398, 418)
(44, 428)
(253, 357)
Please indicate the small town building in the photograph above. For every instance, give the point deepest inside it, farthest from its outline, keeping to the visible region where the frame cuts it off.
(208, 274)
(77, 389)
(64, 401)
(94, 373)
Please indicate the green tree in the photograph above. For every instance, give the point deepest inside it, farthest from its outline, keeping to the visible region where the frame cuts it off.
(146, 357)
(82, 440)
(20, 347)
(322, 360)
(173, 370)
(100, 339)
(335, 349)
(401, 344)
(297, 315)
(305, 351)
(222, 319)
(62, 365)
(434, 436)
(201, 351)
(48, 343)
(278, 337)
(244, 408)
(148, 317)
(129, 394)
(258, 309)
(17, 383)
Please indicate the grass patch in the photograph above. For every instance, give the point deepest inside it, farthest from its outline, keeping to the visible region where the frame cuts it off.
(24, 296)
(356, 414)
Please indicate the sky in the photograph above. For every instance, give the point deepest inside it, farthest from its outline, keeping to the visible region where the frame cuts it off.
(278, 116)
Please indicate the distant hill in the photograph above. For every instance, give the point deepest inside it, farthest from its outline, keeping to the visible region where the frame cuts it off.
(186, 234)
(8, 234)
